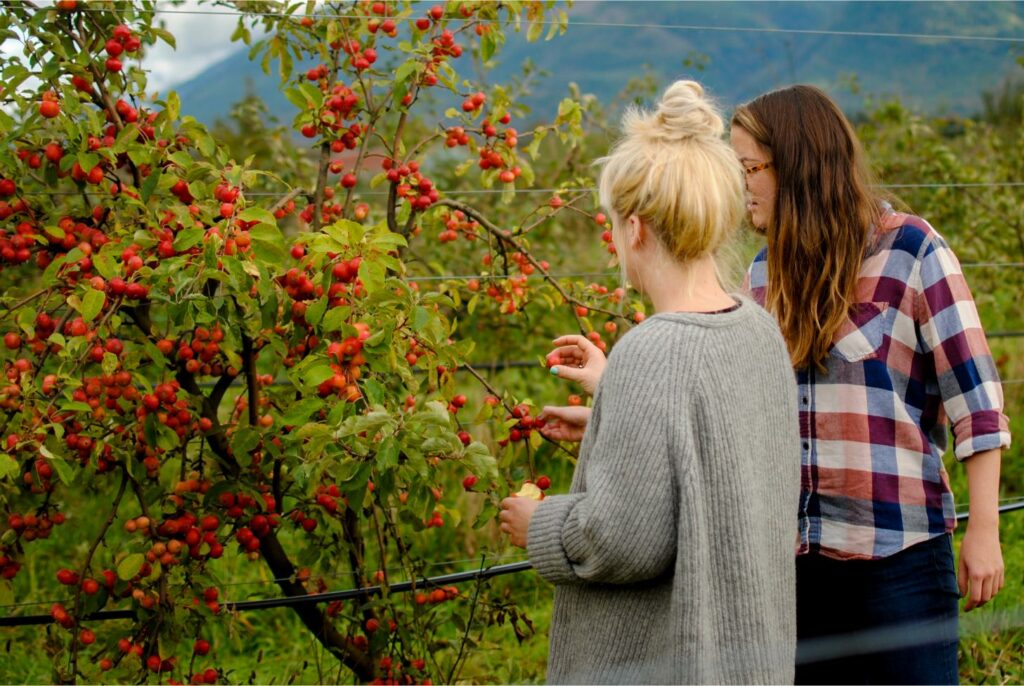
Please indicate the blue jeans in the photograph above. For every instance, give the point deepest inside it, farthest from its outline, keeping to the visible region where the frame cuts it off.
(887, 621)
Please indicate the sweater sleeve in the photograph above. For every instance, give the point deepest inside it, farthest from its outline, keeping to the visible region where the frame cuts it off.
(622, 528)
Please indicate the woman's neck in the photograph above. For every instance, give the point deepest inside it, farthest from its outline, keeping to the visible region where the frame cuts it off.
(689, 287)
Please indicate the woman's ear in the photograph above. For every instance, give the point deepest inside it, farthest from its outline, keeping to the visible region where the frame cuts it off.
(637, 231)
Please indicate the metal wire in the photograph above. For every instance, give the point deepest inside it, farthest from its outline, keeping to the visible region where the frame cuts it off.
(600, 24)
(498, 191)
(361, 593)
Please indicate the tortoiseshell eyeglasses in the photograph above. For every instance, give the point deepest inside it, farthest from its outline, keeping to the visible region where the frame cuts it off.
(753, 169)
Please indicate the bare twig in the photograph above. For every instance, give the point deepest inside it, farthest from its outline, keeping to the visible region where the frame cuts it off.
(503, 238)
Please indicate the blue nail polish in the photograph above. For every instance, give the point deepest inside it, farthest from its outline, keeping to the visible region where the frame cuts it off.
(554, 370)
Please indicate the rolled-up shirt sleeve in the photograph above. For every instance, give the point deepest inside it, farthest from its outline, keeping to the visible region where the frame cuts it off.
(972, 395)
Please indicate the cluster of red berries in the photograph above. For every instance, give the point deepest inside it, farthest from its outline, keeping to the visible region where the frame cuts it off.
(417, 190)
(200, 355)
(171, 411)
(122, 41)
(258, 525)
(524, 427)
(29, 527)
(456, 222)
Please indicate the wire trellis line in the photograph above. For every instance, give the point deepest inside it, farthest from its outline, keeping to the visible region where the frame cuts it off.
(616, 273)
(630, 25)
(360, 593)
(263, 582)
(310, 599)
(551, 191)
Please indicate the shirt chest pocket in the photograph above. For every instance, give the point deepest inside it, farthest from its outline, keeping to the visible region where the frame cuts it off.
(863, 332)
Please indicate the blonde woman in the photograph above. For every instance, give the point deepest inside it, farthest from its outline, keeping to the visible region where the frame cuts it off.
(672, 555)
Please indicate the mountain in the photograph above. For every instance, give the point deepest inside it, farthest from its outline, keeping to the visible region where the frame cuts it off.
(612, 41)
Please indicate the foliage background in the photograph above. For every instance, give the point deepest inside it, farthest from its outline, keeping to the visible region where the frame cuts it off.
(983, 223)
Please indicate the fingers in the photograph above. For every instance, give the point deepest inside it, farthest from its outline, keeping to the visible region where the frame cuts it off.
(961, 577)
(983, 588)
(987, 590)
(557, 413)
(570, 340)
(566, 355)
(584, 344)
(560, 432)
(569, 371)
(574, 415)
(975, 596)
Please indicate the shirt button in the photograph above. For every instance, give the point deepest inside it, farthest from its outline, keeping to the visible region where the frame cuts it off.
(807, 446)
(803, 400)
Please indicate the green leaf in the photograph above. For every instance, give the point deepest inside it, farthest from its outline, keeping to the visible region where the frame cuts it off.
(300, 411)
(104, 264)
(297, 98)
(372, 275)
(387, 453)
(481, 462)
(241, 33)
(311, 372)
(487, 46)
(88, 160)
(315, 310)
(205, 143)
(164, 35)
(92, 303)
(487, 515)
(166, 437)
(420, 318)
(258, 214)
(63, 469)
(333, 320)
(150, 185)
(130, 566)
(268, 243)
(8, 466)
(434, 413)
(536, 28)
(406, 69)
(50, 275)
(110, 363)
(244, 440)
(27, 321)
(173, 106)
(188, 238)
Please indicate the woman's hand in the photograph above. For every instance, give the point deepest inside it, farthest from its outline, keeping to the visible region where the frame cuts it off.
(564, 423)
(981, 566)
(577, 359)
(980, 573)
(515, 517)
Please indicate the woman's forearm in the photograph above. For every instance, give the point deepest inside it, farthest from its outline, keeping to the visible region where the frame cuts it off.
(983, 488)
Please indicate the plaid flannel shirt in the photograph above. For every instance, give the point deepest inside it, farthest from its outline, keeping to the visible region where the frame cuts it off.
(910, 360)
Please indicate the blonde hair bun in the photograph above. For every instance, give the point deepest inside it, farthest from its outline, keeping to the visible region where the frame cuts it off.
(674, 170)
(683, 113)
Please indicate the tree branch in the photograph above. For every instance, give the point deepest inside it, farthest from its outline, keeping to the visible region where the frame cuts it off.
(503, 238)
(87, 565)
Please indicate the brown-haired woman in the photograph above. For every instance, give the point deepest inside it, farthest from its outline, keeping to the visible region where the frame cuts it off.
(886, 343)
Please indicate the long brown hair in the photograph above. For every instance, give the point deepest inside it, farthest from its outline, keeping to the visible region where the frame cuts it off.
(824, 211)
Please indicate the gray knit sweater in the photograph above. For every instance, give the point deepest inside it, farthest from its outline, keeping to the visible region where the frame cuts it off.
(673, 554)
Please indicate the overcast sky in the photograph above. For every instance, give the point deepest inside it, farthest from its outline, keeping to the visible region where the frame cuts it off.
(203, 36)
(202, 39)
